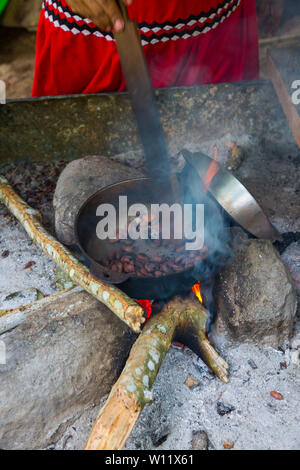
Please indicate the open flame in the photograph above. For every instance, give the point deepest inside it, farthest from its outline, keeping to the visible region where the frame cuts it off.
(147, 305)
(197, 291)
(211, 172)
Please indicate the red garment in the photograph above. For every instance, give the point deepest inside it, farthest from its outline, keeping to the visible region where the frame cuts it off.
(186, 42)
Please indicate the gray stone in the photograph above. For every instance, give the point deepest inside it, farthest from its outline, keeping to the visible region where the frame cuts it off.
(60, 360)
(224, 408)
(80, 180)
(200, 440)
(256, 297)
(160, 435)
(252, 364)
(291, 258)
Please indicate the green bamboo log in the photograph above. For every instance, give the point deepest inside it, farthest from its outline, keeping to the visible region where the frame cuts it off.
(133, 389)
(12, 318)
(119, 303)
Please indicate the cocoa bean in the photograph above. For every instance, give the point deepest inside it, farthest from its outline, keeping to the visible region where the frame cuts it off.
(142, 257)
(158, 274)
(177, 268)
(128, 268)
(29, 264)
(150, 267)
(143, 272)
(164, 268)
(119, 267)
(276, 395)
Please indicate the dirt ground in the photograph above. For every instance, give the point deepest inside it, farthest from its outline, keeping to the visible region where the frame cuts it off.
(17, 52)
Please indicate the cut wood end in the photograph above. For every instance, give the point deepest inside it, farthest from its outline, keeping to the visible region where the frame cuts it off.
(120, 413)
(134, 316)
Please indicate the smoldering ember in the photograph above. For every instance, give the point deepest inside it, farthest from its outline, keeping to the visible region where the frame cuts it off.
(165, 330)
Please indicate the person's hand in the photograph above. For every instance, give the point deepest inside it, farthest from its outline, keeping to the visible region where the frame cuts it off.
(270, 14)
(104, 13)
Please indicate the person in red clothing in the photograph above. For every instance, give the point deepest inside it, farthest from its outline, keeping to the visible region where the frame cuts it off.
(185, 43)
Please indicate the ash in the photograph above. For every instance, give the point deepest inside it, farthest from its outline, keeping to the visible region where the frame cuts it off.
(258, 421)
(20, 283)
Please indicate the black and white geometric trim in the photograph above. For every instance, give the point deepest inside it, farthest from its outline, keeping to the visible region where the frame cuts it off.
(62, 17)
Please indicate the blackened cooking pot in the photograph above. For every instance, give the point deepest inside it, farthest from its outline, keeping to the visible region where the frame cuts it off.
(145, 191)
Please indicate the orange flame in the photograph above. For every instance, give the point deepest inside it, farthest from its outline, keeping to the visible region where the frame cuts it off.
(197, 291)
(211, 172)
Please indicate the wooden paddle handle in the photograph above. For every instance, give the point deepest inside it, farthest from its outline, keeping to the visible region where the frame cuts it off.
(123, 9)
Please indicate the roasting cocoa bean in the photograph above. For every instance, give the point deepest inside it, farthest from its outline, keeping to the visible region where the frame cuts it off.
(142, 272)
(177, 268)
(142, 257)
(114, 268)
(119, 266)
(128, 268)
(150, 267)
(164, 268)
(158, 274)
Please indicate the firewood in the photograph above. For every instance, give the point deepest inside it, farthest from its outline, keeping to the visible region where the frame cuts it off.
(12, 318)
(118, 302)
(132, 391)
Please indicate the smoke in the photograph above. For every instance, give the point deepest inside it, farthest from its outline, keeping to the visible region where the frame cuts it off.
(216, 228)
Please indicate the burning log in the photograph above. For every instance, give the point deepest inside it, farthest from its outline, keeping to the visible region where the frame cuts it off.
(132, 391)
(118, 302)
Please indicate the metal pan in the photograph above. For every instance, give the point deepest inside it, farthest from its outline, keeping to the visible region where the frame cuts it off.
(145, 191)
(234, 198)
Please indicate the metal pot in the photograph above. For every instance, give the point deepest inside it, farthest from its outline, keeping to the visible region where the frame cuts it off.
(146, 191)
